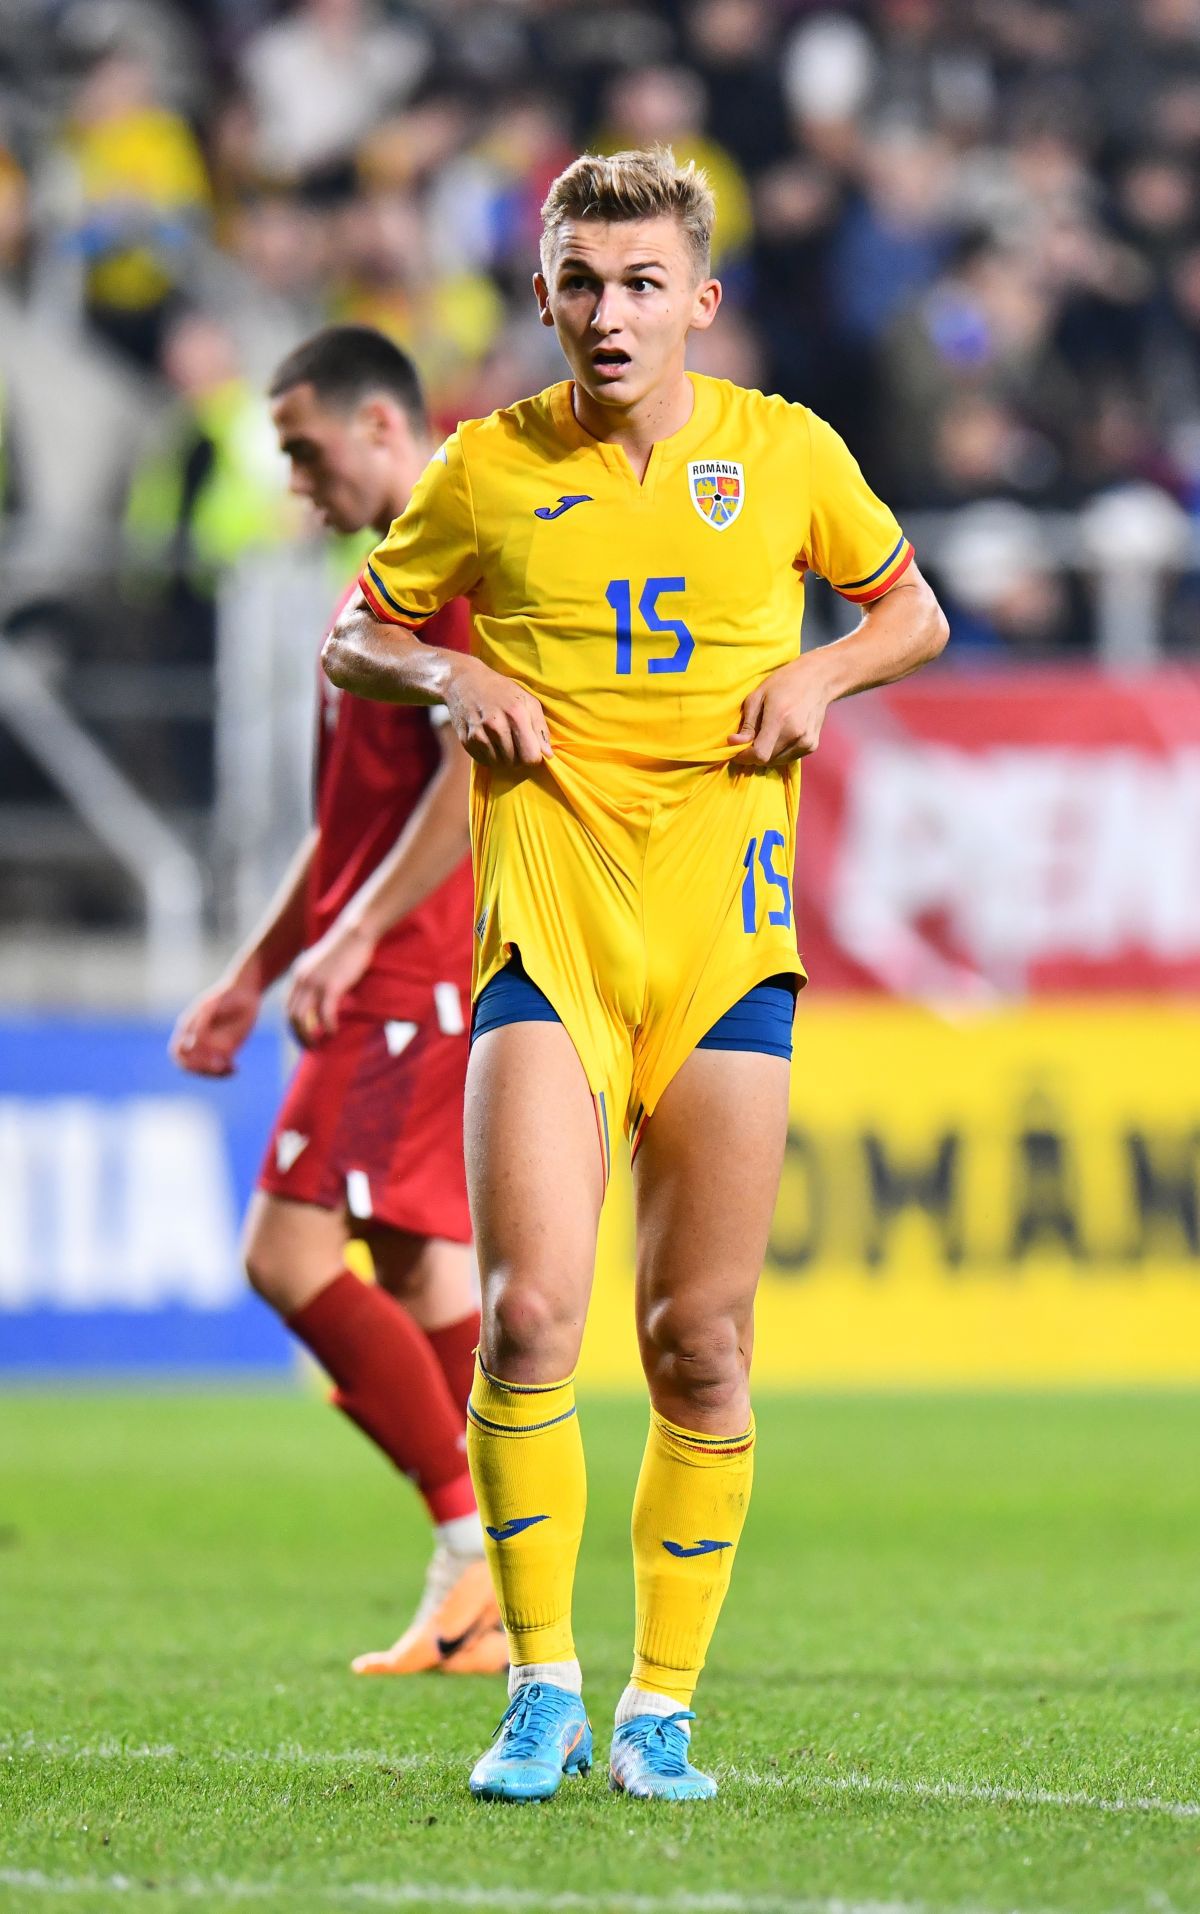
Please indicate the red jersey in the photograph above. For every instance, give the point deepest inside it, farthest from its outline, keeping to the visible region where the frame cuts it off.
(373, 762)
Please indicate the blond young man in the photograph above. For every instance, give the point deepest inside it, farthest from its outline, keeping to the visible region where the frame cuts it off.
(633, 544)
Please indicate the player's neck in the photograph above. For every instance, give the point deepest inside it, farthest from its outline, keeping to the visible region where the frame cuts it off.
(403, 481)
(638, 428)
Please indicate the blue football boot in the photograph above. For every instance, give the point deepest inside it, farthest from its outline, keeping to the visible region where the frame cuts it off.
(649, 1759)
(543, 1735)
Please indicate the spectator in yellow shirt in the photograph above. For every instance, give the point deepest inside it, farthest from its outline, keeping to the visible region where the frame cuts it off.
(135, 193)
(668, 106)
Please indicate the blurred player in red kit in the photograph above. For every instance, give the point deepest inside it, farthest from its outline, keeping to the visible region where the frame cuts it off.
(373, 918)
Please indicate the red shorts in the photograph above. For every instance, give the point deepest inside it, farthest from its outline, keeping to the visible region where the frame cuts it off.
(372, 1122)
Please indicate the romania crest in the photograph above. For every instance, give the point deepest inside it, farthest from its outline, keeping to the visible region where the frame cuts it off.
(718, 487)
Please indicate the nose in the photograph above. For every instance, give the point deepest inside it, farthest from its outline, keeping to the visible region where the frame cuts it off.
(606, 317)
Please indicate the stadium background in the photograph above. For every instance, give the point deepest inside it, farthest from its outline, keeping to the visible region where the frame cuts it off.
(967, 234)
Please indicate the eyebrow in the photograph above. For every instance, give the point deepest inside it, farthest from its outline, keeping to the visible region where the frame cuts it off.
(573, 262)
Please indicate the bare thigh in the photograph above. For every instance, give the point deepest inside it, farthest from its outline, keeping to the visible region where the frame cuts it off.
(535, 1182)
(433, 1278)
(706, 1179)
(291, 1250)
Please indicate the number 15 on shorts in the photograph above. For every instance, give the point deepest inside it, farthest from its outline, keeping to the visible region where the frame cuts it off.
(759, 863)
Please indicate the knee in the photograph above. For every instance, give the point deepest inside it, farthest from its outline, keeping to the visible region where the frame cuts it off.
(700, 1361)
(267, 1271)
(527, 1334)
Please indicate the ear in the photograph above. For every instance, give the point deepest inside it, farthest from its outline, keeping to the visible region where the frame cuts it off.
(706, 300)
(542, 294)
(380, 421)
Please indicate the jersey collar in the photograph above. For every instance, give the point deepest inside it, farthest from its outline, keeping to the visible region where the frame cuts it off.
(666, 451)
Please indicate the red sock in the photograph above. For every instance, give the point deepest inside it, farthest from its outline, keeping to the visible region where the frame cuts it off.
(454, 1345)
(389, 1383)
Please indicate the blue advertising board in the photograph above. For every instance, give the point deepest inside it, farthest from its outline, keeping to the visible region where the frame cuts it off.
(122, 1188)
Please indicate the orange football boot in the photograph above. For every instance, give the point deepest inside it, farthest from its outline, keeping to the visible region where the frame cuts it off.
(457, 1606)
(483, 1652)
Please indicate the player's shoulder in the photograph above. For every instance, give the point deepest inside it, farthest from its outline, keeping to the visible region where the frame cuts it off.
(749, 411)
(526, 429)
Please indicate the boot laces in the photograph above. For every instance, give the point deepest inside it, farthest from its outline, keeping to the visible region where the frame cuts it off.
(532, 1712)
(662, 1740)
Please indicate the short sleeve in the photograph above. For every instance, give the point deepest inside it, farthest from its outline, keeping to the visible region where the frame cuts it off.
(429, 555)
(854, 540)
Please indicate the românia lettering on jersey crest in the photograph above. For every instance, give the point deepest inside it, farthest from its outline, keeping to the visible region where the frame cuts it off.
(717, 488)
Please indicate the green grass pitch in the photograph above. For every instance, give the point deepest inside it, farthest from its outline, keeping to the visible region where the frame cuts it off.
(959, 1669)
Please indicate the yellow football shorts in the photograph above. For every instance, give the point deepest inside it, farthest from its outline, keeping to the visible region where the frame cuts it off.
(643, 906)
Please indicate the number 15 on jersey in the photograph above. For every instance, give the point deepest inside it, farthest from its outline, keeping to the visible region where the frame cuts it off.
(620, 596)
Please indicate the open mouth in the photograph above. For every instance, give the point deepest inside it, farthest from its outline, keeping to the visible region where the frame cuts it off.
(609, 363)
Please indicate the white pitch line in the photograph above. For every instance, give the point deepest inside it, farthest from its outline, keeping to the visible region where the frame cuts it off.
(966, 1791)
(292, 1755)
(434, 1894)
(288, 1754)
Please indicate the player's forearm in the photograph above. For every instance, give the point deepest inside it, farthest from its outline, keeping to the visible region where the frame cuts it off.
(279, 937)
(431, 846)
(903, 631)
(385, 662)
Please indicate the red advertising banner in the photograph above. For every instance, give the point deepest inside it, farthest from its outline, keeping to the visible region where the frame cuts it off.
(996, 835)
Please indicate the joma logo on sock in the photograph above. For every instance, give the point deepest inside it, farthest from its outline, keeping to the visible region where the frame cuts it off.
(507, 1530)
(705, 1547)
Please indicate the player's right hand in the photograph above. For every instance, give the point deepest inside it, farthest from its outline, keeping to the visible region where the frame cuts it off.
(496, 720)
(213, 1029)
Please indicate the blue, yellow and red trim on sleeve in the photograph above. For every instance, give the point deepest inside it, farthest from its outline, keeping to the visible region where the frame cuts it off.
(862, 590)
(387, 609)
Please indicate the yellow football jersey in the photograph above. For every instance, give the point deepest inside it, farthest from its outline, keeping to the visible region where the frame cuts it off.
(646, 883)
(639, 615)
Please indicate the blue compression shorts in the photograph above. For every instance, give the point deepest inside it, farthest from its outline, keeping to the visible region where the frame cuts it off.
(760, 1021)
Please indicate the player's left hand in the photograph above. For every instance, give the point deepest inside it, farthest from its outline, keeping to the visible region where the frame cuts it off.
(782, 718)
(321, 978)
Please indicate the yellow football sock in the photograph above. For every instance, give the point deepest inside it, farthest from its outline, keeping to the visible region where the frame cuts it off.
(691, 1502)
(526, 1458)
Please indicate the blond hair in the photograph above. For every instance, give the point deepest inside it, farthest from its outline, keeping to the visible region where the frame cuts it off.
(634, 185)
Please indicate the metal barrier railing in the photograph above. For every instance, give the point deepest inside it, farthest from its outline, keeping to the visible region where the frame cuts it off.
(168, 875)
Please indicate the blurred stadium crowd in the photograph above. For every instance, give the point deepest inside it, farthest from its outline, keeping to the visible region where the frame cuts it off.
(966, 231)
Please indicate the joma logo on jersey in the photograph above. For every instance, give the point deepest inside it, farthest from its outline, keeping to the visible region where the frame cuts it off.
(565, 501)
(718, 489)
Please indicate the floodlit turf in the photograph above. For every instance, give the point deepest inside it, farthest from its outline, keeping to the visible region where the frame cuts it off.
(960, 1668)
